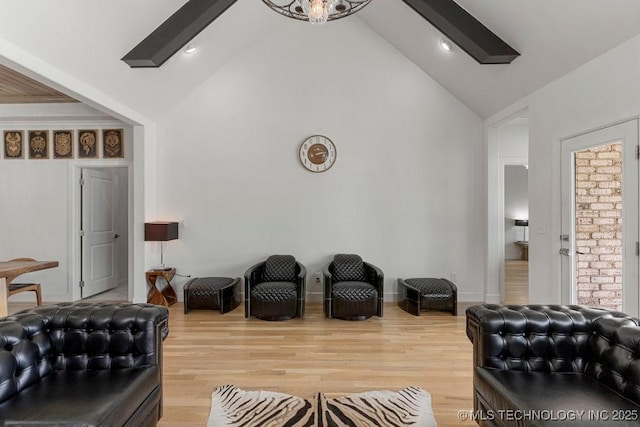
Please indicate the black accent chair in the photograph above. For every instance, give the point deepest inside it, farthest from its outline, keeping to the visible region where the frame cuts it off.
(353, 289)
(275, 289)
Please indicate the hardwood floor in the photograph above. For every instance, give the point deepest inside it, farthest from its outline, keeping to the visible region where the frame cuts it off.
(516, 282)
(205, 349)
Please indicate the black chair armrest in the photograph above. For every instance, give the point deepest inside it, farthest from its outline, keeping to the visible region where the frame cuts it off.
(326, 272)
(375, 276)
(301, 285)
(406, 290)
(301, 279)
(253, 275)
(327, 284)
(302, 271)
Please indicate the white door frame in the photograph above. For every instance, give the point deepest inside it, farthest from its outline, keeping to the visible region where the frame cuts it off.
(626, 131)
(494, 261)
(75, 173)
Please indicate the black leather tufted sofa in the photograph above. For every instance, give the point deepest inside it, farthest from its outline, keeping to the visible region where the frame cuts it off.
(541, 365)
(82, 364)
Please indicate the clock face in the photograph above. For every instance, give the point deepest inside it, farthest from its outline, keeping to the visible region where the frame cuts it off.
(317, 153)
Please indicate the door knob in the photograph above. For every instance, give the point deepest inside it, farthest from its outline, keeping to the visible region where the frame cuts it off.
(116, 236)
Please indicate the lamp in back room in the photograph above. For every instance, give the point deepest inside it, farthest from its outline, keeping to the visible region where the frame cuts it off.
(160, 231)
(524, 223)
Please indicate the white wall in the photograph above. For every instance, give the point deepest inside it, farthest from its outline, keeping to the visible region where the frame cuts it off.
(516, 206)
(34, 220)
(405, 192)
(514, 140)
(603, 91)
(38, 198)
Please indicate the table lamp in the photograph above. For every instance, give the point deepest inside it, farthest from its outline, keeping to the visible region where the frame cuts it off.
(160, 231)
(523, 223)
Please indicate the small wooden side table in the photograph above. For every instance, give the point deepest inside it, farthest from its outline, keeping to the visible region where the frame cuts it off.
(167, 296)
(525, 250)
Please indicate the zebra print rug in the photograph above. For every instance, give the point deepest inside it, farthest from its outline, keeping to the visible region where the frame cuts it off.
(231, 406)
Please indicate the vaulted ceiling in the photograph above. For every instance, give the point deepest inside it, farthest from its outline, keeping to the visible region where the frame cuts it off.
(553, 37)
(447, 16)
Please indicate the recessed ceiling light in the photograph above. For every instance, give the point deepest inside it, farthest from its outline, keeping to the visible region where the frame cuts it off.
(446, 45)
(190, 48)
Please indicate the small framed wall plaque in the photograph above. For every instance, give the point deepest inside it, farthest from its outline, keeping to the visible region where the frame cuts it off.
(112, 144)
(63, 144)
(87, 144)
(38, 144)
(13, 144)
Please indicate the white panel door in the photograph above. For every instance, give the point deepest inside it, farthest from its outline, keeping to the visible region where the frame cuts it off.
(99, 273)
(600, 219)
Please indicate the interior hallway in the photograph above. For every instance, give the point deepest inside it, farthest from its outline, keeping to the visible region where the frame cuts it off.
(516, 282)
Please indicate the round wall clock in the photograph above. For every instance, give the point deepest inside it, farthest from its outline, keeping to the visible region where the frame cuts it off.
(317, 153)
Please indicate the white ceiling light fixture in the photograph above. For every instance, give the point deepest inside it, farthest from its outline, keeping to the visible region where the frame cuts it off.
(316, 11)
(446, 45)
(190, 48)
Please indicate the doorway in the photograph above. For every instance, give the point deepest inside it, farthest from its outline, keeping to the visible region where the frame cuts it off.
(103, 233)
(600, 218)
(516, 234)
(508, 147)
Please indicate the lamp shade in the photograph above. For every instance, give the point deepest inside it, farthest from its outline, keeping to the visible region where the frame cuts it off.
(160, 231)
(522, 222)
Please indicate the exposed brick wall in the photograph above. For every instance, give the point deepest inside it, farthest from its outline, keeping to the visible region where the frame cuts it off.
(599, 226)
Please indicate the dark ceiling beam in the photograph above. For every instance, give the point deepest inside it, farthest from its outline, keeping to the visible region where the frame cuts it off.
(465, 31)
(175, 32)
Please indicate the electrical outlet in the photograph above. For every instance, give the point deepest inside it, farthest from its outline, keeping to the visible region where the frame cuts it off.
(318, 276)
(454, 277)
(183, 223)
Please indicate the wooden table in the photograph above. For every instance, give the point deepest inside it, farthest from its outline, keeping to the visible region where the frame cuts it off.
(525, 250)
(168, 295)
(9, 270)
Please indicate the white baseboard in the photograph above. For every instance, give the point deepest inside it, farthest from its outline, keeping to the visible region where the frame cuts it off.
(493, 299)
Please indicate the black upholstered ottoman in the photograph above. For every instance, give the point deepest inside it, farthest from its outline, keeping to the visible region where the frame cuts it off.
(415, 295)
(212, 293)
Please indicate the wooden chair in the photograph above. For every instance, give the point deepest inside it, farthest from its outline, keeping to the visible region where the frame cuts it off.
(15, 288)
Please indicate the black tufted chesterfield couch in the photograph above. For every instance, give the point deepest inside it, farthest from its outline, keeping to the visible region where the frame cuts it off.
(82, 364)
(539, 365)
